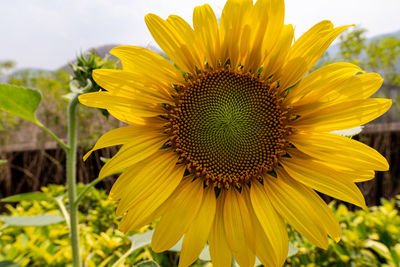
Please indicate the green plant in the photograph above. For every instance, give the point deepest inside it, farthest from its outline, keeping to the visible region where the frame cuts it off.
(48, 245)
(370, 238)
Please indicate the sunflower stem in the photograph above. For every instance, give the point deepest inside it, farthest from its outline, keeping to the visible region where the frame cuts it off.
(71, 179)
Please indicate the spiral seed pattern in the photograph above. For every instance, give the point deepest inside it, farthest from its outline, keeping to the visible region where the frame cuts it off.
(228, 127)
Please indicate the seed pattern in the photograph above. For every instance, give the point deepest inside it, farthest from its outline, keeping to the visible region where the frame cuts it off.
(228, 127)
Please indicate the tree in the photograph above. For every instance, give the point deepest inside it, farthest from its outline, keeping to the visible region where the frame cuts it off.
(6, 65)
(352, 44)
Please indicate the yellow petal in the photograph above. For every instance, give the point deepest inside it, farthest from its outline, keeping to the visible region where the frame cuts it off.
(261, 27)
(130, 154)
(239, 228)
(322, 81)
(357, 174)
(272, 224)
(309, 47)
(142, 179)
(276, 58)
(147, 64)
(187, 34)
(260, 244)
(323, 179)
(265, 250)
(121, 105)
(219, 250)
(176, 39)
(206, 28)
(344, 115)
(119, 188)
(133, 221)
(126, 84)
(125, 135)
(196, 236)
(323, 213)
(357, 87)
(148, 210)
(314, 34)
(339, 150)
(292, 72)
(367, 85)
(276, 16)
(231, 27)
(252, 39)
(86, 99)
(302, 209)
(349, 174)
(181, 209)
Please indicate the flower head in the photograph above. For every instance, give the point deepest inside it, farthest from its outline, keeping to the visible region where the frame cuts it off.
(232, 139)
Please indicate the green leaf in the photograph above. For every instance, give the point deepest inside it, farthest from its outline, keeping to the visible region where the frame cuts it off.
(177, 247)
(104, 160)
(137, 241)
(141, 240)
(3, 161)
(19, 101)
(204, 255)
(26, 196)
(292, 250)
(38, 220)
(349, 132)
(9, 264)
(148, 264)
(379, 248)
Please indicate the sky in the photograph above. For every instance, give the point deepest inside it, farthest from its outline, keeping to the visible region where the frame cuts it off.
(48, 33)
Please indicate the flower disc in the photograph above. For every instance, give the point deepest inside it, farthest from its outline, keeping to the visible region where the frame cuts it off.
(228, 126)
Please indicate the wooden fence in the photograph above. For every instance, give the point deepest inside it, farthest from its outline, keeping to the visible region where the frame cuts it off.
(29, 167)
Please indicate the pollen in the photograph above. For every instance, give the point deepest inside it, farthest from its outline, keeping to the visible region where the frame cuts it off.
(228, 127)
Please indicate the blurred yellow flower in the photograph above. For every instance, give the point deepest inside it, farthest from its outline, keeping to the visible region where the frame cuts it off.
(230, 140)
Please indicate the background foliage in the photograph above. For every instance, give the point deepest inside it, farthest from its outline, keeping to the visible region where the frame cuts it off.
(370, 237)
(49, 245)
(54, 86)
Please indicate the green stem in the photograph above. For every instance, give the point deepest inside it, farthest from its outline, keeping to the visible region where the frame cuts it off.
(71, 178)
(84, 191)
(53, 135)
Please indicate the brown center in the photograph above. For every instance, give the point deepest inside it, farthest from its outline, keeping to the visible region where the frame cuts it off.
(228, 127)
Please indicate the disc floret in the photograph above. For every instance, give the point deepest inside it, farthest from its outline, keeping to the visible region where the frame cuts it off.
(228, 126)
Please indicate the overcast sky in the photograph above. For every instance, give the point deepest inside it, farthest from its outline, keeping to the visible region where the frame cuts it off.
(48, 33)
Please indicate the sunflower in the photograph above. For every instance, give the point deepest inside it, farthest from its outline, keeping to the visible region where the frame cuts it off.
(233, 139)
